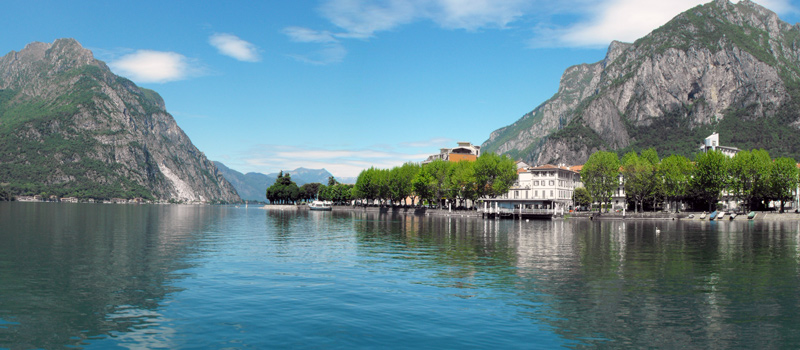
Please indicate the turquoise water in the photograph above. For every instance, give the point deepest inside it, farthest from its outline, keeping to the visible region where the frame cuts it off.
(189, 277)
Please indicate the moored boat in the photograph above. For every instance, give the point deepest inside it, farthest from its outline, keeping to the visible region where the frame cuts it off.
(712, 216)
(721, 215)
(733, 216)
(320, 205)
(703, 216)
(751, 216)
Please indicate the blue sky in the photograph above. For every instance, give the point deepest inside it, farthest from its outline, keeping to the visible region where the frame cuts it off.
(343, 84)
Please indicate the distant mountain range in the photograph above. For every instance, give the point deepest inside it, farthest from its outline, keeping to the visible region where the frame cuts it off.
(70, 127)
(253, 186)
(724, 67)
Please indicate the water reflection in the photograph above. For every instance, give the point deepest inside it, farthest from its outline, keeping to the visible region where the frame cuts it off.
(616, 284)
(72, 272)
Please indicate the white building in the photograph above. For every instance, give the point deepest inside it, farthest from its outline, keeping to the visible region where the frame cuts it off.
(542, 189)
(711, 143)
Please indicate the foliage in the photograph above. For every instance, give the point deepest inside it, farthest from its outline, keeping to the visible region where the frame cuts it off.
(674, 172)
(283, 191)
(710, 176)
(461, 181)
(581, 197)
(310, 191)
(600, 175)
(639, 174)
(783, 180)
(494, 174)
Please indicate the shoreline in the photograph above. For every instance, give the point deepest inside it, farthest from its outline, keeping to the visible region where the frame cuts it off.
(684, 216)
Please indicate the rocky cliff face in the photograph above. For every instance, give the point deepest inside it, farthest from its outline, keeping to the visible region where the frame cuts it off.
(724, 67)
(70, 127)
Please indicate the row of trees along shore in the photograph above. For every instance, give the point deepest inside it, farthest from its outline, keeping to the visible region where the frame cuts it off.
(463, 182)
(286, 191)
(490, 175)
(434, 183)
(752, 178)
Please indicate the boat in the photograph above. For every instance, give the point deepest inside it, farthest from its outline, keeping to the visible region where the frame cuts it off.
(703, 216)
(712, 216)
(691, 216)
(320, 205)
(733, 216)
(751, 216)
(721, 215)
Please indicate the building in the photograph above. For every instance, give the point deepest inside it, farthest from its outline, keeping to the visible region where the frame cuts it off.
(464, 151)
(541, 190)
(711, 143)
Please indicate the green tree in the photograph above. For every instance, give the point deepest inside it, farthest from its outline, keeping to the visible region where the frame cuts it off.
(675, 172)
(710, 176)
(600, 176)
(422, 184)
(639, 176)
(367, 185)
(494, 174)
(462, 181)
(783, 180)
(332, 181)
(581, 197)
(438, 171)
(283, 191)
(310, 191)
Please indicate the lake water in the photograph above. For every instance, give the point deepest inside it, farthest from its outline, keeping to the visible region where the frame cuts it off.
(187, 277)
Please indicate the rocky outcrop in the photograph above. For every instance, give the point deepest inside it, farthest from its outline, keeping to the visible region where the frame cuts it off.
(69, 126)
(716, 66)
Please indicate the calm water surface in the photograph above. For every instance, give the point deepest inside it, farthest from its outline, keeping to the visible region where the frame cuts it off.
(182, 277)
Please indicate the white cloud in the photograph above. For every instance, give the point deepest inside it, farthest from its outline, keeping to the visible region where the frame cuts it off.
(340, 161)
(233, 46)
(305, 35)
(361, 19)
(623, 20)
(146, 66)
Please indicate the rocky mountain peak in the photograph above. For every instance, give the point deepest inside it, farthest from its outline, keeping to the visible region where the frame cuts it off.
(71, 127)
(716, 67)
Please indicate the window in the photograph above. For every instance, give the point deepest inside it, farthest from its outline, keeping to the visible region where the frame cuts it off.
(551, 193)
(552, 183)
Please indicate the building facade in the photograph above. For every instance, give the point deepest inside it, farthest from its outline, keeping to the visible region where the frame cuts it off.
(464, 151)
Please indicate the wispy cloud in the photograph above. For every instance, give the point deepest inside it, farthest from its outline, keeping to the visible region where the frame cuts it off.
(340, 161)
(231, 45)
(567, 23)
(622, 20)
(147, 66)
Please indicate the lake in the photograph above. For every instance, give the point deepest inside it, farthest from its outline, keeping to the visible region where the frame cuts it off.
(98, 276)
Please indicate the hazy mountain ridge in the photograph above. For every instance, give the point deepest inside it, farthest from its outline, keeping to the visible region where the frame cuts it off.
(70, 127)
(724, 67)
(253, 186)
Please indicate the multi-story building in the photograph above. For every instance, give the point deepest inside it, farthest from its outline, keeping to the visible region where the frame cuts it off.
(543, 189)
(464, 151)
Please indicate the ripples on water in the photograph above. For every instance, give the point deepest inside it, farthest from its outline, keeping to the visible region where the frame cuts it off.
(118, 276)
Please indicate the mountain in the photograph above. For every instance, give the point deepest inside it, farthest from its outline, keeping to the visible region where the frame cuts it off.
(250, 186)
(730, 68)
(253, 186)
(70, 127)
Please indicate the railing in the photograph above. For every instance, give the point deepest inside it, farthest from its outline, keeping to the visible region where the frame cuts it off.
(518, 211)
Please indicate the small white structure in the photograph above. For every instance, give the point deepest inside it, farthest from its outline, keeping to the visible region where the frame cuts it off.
(464, 151)
(712, 143)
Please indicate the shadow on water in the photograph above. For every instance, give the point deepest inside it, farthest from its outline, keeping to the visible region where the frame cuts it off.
(76, 272)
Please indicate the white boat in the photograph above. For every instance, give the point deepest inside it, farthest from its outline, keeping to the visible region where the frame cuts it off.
(720, 215)
(703, 216)
(320, 205)
(733, 216)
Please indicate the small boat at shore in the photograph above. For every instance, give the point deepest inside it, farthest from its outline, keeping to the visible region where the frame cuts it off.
(702, 216)
(721, 215)
(320, 205)
(712, 216)
(733, 216)
(751, 216)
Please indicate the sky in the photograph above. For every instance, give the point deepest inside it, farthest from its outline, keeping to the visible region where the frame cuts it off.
(344, 85)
